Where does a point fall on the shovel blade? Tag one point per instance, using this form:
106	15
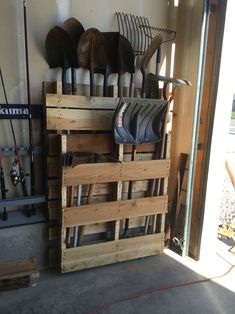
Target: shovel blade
138	121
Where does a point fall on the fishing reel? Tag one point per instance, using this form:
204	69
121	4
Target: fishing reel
14	173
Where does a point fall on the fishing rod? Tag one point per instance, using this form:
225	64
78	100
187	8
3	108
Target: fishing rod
31	148
16	173
3	187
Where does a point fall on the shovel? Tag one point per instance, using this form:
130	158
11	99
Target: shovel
125	62
74	29
88	46
98	52
110	42
137	121
61	52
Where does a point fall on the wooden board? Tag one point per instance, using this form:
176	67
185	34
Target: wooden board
111	252
53	189
81	102
53	141
110	211
114	172
14	269
53	164
54	209
101	143
78	119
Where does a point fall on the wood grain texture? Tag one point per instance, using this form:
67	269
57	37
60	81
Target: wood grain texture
114	172
101	143
14	269
78	119
111	252
110	211
81	102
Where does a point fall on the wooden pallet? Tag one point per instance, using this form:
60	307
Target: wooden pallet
105	216
102	217
17	274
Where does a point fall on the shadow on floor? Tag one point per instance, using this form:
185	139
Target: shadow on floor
156	284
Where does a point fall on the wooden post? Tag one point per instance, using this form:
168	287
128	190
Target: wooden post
118	195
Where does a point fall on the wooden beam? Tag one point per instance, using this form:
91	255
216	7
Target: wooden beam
81	102
20	268
53	144
118	194
114	172
110	211
101	143
111	252
78	119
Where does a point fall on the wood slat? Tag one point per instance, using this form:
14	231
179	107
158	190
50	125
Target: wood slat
93	143
101	143
114	172
143	170
99	227
53	233
14	269
81	102
53	166
138	190
53	189
53	144
54	209
78	119
110	211
111	252
53	257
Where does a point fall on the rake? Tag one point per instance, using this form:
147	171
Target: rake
140	33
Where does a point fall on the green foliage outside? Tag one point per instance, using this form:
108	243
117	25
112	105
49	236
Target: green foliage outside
233	115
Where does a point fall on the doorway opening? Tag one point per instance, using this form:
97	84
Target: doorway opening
220	195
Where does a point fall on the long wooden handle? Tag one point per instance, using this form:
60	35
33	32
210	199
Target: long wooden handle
230	173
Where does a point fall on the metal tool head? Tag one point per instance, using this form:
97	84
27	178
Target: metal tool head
60	49
87	45
137	121
74	28
125	56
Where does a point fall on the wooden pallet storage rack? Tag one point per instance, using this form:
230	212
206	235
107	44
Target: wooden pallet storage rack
101	216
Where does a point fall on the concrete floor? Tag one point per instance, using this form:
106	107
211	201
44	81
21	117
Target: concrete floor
148	285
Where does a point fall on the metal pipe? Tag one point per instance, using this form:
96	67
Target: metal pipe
29	200
196	126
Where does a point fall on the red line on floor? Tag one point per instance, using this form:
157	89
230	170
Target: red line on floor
145	293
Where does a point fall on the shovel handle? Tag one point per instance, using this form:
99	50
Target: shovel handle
73	79
91	82
129	193
63	80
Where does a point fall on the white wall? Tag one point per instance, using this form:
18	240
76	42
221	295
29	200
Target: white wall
42	15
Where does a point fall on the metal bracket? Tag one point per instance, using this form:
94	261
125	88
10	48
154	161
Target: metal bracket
38	199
